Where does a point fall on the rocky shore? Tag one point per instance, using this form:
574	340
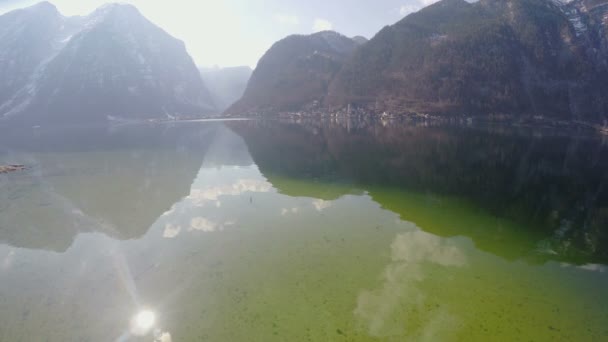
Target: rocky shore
11	168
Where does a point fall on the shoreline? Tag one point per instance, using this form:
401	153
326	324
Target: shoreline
540	122
11	168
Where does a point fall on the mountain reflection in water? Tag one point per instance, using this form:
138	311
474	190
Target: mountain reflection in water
543	189
271	231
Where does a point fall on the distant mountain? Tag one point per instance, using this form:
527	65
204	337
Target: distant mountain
520	57
295	73
113	63
226	85
360	40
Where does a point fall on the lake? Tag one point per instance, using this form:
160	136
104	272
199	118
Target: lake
327	230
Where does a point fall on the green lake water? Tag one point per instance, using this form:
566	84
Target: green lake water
313	231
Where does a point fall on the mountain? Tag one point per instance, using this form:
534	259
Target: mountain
113	63
490	58
519	57
360	40
295	73
226	85
28	39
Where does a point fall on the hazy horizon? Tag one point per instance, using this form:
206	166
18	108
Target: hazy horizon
238	32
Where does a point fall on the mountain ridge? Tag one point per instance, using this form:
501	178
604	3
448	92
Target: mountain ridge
295	72
491	58
517	56
114	60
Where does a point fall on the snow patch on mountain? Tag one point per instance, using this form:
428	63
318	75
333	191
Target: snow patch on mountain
145	60
573	11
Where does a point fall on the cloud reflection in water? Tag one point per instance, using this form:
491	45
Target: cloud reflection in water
321	205
410	253
201	208
201	196
171	230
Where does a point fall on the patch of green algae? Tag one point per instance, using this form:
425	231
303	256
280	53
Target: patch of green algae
356	272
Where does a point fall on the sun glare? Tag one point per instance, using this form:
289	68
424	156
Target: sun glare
143	322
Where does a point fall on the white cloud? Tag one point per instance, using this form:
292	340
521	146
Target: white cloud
418	246
171	231
202	224
411	253
8	260
285	211
414	6
588	267
165	337
200	197
321	205
208	226
594	268
407	9
322	25
286	19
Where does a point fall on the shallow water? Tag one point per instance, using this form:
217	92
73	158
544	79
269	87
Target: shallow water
327	231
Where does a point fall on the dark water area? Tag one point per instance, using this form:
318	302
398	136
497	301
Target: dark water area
552	183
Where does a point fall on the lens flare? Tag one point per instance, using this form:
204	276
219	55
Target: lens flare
143	322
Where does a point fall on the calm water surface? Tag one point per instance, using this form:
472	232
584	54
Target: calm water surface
334	231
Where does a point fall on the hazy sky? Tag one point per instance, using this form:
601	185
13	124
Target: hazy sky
238	32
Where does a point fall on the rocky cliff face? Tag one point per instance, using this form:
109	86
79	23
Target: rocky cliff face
112	64
518	57
295	73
